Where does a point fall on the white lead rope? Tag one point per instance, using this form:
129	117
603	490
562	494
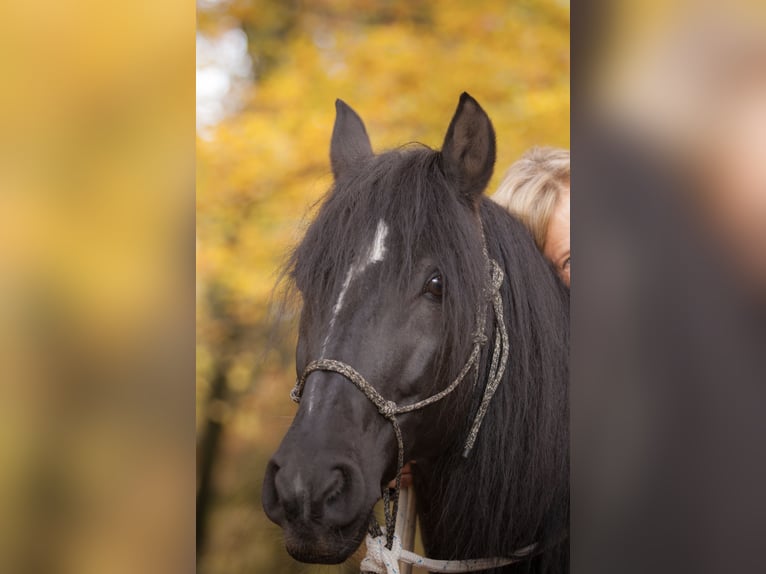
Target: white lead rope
407	522
399	560
381	560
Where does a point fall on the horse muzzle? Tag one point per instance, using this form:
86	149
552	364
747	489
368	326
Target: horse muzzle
323	508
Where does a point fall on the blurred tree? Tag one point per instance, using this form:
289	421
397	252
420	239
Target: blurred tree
402	66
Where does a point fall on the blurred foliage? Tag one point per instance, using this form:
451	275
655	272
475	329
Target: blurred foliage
96	187
402	66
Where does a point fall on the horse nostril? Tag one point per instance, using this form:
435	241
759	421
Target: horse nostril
294	494
335	485
343	495
270	494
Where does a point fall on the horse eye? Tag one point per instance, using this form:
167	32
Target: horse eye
434	286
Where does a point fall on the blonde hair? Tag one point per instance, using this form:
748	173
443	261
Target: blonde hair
532	186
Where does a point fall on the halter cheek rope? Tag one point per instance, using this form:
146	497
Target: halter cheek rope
383	558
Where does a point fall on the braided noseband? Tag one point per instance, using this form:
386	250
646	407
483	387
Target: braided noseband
389	410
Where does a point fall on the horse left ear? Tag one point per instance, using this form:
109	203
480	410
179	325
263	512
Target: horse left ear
350	143
469	148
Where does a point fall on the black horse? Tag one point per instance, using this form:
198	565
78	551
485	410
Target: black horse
395	282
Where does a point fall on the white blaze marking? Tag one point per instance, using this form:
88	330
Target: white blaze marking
378	251
338	306
302	493
297	483
375	253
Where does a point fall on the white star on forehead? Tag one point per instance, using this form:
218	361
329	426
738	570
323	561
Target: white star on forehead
378	251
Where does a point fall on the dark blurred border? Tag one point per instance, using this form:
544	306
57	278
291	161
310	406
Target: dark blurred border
668	334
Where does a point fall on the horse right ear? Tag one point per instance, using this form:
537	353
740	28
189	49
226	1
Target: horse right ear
350	143
469	148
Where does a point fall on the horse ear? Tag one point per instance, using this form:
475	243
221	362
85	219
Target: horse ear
350	143
469	148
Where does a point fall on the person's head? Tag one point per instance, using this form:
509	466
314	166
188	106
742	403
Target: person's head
536	190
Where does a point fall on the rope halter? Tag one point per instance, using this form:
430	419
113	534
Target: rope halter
389	409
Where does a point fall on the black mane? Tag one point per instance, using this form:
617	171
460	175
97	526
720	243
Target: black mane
513	489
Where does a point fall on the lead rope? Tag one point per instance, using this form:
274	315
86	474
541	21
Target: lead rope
383	558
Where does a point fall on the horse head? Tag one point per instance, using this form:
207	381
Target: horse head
391	274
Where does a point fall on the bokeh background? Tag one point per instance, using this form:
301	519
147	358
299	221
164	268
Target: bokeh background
268	73
96	286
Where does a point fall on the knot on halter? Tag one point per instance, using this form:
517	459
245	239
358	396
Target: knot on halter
497	276
479	338
379	559
295	394
388	409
